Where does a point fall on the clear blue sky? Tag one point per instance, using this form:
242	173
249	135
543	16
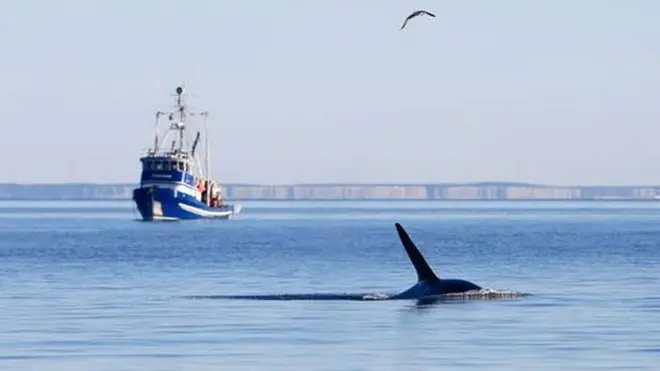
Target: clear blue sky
561	92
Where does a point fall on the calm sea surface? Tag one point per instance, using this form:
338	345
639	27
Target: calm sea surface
84	286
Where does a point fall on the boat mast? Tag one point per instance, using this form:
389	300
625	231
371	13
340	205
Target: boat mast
178	123
156	131
182	114
206	144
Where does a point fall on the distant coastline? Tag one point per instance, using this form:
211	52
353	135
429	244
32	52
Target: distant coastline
344	191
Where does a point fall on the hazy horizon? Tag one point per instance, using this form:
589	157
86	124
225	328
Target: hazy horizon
358	184
553	93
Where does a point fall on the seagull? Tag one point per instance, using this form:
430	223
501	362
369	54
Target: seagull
415	14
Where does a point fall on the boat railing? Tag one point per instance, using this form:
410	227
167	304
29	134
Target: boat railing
181	155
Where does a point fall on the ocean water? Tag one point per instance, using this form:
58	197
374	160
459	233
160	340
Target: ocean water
84	286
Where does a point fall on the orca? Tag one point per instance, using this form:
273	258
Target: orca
428	283
428	289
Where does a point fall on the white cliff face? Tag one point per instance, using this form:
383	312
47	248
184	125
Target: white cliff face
345	192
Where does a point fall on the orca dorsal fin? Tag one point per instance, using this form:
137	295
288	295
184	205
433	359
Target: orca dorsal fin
424	271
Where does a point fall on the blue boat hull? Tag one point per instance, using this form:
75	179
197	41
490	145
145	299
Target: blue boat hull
157	203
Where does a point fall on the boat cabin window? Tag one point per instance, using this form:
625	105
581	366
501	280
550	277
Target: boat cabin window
165	165
148	165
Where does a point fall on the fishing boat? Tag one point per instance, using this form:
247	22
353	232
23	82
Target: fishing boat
173	183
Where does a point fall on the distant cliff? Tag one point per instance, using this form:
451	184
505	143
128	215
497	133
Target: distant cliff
467	191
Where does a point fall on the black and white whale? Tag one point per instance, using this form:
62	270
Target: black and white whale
428	283
429	286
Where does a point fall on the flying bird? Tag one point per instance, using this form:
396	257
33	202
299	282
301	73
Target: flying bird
415	14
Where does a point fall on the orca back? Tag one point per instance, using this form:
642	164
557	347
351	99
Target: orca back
453	286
